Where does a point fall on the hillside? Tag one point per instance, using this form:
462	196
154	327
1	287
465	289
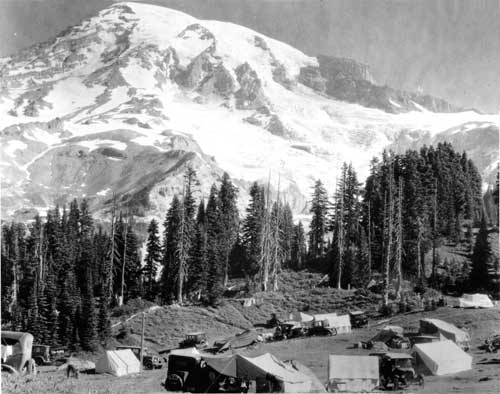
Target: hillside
123	102
166	326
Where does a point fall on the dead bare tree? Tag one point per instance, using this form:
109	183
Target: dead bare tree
399	240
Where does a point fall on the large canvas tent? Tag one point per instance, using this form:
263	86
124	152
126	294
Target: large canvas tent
443	357
445	330
475	301
289	379
118	363
341	323
16	348
353	374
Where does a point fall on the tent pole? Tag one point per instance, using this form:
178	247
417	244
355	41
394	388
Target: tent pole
142	339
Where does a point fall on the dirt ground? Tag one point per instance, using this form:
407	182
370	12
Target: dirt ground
312	352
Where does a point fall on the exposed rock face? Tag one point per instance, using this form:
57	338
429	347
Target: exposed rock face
124	102
348	80
250	94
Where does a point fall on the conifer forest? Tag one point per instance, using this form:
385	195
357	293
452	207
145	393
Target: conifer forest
63	274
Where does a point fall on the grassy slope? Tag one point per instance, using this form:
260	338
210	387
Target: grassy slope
166	326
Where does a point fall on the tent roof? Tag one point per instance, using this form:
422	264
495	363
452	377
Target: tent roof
300	316
447	327
245	338
253	367
442	352
188	352
353	367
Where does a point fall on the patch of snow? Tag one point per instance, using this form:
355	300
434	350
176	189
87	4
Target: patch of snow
12	146
96	144
103	192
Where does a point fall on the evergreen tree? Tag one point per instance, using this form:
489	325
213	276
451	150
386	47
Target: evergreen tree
170	240
215	255
198	265
229	218
298	249
153	257
319	209
482	260
252	231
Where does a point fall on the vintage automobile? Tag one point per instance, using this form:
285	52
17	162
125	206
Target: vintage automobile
47	355
321	328
397	371
358	319
194	339
16	352
149	361
492	344
188	372
288	330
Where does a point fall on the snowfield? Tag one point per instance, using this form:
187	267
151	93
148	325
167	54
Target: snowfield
141	75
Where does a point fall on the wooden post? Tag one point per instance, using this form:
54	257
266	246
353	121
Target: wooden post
142	338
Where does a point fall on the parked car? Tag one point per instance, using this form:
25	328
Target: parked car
47	355
149	361
289	330
187	372
321	328
492	344
194	339
16	353
359	319
396	370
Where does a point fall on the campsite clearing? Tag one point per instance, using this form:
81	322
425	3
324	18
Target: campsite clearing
313	352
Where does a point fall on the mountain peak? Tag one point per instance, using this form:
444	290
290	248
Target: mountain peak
123	102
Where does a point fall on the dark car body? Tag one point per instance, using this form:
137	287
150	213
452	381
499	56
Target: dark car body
358	319
194	339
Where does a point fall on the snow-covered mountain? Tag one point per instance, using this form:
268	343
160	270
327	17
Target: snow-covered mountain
122	103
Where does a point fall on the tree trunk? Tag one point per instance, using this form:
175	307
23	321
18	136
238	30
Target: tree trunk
399	244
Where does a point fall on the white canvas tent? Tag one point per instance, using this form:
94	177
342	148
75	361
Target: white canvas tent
341	323
252	368
353	374
475	301
118	363
445	330
443	357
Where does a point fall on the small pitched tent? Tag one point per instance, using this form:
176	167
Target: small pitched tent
443	357
445	330
243	339
118	363
353	374
289	379
387	333
475	301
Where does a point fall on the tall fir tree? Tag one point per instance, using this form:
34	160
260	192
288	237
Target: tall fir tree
229	218
153	257
215	255
318	227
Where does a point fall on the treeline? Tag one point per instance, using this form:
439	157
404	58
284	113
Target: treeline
59	276
203	245
62	276
410	205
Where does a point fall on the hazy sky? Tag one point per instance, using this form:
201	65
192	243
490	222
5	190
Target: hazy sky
448	48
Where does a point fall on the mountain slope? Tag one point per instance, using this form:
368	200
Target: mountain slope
122	103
